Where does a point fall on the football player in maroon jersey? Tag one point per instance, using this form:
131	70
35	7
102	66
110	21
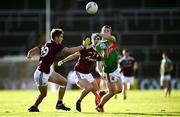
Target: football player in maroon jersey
127	67
82	76
44	74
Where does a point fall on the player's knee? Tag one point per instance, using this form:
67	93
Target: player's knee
118	91
64	83
88	88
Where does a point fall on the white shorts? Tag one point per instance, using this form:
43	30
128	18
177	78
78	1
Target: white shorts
127	79
165	78
114	76
41	78
80	76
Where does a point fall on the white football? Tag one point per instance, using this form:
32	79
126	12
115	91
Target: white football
91	7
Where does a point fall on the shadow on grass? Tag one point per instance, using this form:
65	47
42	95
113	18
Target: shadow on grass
134	114
151	114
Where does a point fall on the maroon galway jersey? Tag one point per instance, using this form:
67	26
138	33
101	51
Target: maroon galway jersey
48	53
86	60
126	65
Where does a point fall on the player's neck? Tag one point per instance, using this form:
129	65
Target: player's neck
55	41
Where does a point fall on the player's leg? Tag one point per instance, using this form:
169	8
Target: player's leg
168	80
106	97
165	87
124	86
103	84
62	82
112	79
103	87
162	82
96	91
116	78
131	83
115	96
111	87
42	95
84	81
169	88
131	86
41	80
124	91
118	86
86	87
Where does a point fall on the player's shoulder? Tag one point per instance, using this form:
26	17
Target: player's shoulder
131	58
122	59
98	44
114	38
86	50
169	61
164	61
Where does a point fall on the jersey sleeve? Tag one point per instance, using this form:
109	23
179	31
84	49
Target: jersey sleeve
169	61
101	46
98	49
119	57
60	47
82	51
39	46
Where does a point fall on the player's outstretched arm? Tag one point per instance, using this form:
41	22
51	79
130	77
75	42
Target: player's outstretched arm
108	37
68	58
72	50
99	67
32	52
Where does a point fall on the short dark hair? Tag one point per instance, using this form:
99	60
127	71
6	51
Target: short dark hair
107	26
126	50
56	32
165	53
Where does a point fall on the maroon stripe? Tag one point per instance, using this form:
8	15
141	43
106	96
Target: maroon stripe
108	77
78	75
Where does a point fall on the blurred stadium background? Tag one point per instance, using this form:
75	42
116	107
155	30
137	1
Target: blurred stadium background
146	27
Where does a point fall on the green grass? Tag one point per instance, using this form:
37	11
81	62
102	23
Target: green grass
14	103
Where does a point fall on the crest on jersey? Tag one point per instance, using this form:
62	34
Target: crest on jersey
44	51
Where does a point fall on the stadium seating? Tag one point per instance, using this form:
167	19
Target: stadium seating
146	27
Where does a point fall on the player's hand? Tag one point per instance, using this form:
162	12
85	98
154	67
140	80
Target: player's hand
94	36
29	56
87	42
60	63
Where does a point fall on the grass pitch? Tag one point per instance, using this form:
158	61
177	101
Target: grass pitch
14	103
